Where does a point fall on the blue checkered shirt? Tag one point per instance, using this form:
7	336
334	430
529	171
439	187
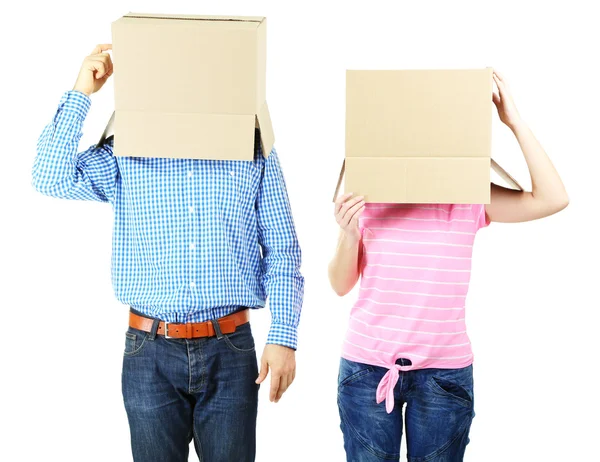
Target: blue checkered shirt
193	239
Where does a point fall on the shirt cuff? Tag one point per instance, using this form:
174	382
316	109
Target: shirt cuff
283	334
75	102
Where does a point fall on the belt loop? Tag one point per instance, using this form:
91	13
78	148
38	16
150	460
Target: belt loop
217	328
154	329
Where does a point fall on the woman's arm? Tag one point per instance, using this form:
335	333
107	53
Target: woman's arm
344	267
548	194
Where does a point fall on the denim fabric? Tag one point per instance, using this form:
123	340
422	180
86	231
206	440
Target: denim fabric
438	413
178	390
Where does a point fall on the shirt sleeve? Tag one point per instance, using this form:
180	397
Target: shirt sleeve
481	218
281	255
59	170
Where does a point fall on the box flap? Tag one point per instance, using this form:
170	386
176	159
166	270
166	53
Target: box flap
512	183
267	137
456	180
339	182
506	176
196	136
108	130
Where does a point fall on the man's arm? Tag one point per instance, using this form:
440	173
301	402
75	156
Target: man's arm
281	260
283	283
59	170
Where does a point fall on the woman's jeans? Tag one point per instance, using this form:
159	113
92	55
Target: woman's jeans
178	390
438	414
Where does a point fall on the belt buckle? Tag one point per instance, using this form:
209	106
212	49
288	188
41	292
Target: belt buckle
166	329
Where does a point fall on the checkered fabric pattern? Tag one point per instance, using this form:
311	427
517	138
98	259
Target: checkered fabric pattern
193	239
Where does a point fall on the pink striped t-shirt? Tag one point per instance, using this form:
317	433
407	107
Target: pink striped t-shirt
415	271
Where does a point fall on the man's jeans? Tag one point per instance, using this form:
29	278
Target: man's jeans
176	390
438	413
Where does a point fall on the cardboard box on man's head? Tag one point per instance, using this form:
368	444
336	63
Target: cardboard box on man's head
190	86
419	136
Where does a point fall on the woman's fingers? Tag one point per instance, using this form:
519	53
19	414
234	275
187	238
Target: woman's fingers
498	82
344	207
496	98
340	201
342	214
351	212
357	214
499	75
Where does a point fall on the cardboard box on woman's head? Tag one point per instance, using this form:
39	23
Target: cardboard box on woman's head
419	136
189	86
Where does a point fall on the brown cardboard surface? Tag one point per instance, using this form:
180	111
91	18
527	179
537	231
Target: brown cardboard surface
458	180
190	86
419	136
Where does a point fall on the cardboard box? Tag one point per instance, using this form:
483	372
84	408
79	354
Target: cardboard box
419	136
190	86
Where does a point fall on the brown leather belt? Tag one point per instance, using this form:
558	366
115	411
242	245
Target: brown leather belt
228	324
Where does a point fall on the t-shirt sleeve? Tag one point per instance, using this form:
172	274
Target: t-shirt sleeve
481	218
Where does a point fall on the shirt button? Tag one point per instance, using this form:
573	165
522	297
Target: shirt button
190	173
192	284
191	209
192	246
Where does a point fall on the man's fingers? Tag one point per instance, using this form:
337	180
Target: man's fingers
275	380
101	48
495	97
97	66
283	386
103	57
264	370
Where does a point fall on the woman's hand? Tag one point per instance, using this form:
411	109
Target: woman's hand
343	269
504	103
348	210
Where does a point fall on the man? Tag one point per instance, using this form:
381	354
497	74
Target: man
196	242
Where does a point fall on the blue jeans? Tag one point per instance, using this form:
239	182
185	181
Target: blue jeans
176	390
438	414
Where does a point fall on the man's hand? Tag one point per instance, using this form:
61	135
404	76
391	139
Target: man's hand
282	362
95	70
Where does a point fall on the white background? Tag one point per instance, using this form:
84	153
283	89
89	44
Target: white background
533	306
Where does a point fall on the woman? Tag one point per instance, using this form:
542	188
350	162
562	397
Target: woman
406	341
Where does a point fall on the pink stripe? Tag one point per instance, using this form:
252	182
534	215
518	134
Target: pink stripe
434	247
420	259
389	333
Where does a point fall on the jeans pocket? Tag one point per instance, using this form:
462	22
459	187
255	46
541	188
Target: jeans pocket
242	340
134	342
351	371
448	387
